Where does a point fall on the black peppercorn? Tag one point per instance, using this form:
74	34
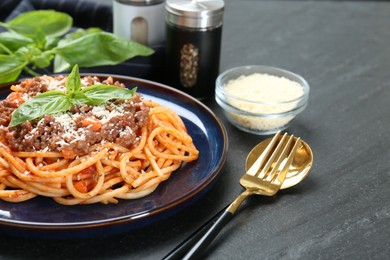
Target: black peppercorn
193	45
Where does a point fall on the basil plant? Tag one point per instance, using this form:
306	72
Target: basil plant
38	39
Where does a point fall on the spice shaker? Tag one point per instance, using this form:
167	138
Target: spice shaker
140	20
193	45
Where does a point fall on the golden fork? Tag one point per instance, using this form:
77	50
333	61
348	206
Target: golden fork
265	177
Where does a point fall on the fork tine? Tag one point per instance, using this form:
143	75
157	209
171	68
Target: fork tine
282	158
281	175
262	158
265	170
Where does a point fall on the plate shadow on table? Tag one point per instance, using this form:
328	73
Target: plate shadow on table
141	241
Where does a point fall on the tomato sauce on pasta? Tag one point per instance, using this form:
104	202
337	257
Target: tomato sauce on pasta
121	149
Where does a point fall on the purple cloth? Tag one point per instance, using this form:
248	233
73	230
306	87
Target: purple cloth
85	14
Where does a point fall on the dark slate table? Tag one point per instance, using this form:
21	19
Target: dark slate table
342	210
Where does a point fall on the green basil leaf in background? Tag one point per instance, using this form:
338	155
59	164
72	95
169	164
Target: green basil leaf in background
73	82
99	49
10	68
49	21
60	64
50	102
78	34
13	41
40	39
100	93
51	42
27	53
43	60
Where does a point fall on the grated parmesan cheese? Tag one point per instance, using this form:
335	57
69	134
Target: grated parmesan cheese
83	125
55	84
263	94
104	115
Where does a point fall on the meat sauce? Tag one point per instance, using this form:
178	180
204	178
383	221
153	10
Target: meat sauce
74	131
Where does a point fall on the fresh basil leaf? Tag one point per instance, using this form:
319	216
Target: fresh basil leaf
51	42
43	60
101	93
73	82
78	34
13	41
49	21
60	64
80	98
10	68
50	102
98	49
27	53
40	39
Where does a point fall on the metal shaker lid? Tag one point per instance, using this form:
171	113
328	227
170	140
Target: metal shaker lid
195	13
140	2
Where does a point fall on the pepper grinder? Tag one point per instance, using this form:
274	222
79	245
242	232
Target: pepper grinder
193	45
141	21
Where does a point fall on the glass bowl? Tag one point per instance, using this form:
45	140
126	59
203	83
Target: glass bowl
260	99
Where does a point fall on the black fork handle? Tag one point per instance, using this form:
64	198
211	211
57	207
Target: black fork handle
194	245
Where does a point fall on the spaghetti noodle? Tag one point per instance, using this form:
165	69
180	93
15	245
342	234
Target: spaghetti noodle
105	171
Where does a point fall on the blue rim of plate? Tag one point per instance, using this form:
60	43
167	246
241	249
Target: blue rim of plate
44	218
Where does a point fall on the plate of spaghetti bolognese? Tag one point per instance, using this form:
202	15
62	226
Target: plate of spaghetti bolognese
75	157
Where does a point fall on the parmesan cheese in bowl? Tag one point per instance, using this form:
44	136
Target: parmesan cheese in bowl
260	99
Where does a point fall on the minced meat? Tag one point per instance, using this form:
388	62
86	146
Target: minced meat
77	130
